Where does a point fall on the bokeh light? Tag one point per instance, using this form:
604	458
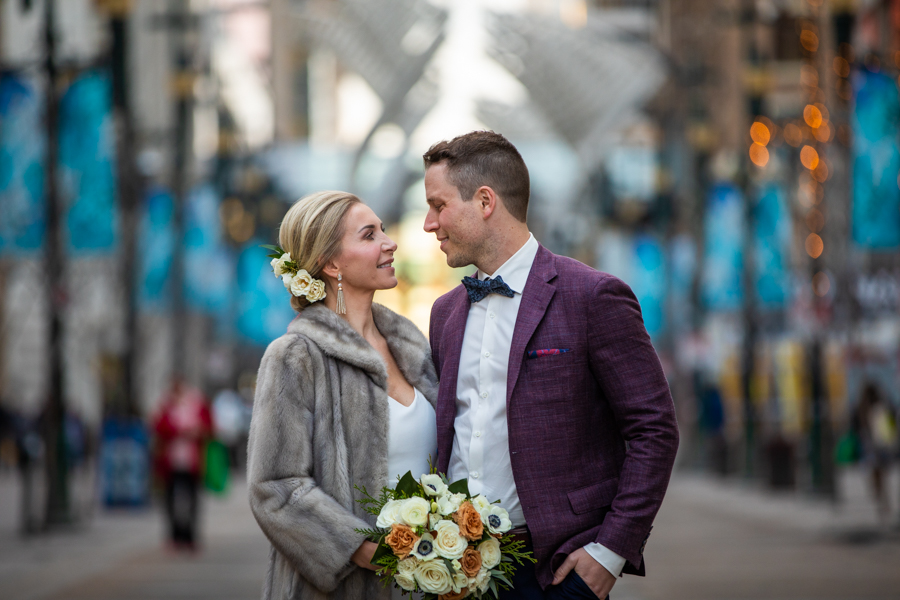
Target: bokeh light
759	133
820	173
759	155
812	115
809	40
841	66
815	220
814	245
821	284
823	132
809	157
793	135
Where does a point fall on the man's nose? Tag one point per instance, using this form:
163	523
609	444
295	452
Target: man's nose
430	222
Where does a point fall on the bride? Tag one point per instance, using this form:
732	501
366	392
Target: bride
344	398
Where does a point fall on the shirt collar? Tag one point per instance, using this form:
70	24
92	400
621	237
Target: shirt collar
515	270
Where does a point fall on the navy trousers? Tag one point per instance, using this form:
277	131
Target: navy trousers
526	587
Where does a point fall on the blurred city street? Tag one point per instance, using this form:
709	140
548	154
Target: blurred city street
713	540
735	162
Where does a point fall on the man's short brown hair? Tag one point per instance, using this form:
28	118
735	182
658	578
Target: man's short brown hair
485	158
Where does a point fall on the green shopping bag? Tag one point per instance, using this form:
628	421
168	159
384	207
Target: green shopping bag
848	449
215	476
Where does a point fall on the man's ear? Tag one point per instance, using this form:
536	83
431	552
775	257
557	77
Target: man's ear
487	201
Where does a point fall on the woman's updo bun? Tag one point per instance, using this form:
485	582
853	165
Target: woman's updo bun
312	230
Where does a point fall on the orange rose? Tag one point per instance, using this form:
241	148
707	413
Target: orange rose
451	596
401	539
470	562
469	521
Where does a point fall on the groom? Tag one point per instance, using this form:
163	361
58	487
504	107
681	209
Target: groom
552	399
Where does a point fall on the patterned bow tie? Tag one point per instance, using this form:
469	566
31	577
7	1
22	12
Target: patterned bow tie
478	289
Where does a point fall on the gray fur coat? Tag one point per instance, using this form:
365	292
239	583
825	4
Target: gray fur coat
320	427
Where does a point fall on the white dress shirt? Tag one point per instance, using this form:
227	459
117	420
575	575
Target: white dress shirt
481	444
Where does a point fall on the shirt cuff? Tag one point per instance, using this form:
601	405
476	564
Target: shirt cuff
608	559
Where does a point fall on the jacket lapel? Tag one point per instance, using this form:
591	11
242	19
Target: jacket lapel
453	332
535	299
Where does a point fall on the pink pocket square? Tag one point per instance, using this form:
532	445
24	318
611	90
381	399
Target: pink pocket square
547	352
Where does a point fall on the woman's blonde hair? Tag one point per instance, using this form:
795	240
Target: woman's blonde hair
312	230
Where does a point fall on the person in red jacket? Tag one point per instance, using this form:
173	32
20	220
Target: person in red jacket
182	427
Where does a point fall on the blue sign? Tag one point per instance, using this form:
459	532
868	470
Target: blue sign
87	163
22	149
876	161
772	247
723	253
125	463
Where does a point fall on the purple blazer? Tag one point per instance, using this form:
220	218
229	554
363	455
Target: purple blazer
570	414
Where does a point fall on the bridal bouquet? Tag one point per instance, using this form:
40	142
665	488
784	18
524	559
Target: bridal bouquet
434	538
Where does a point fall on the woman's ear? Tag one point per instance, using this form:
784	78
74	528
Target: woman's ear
331	269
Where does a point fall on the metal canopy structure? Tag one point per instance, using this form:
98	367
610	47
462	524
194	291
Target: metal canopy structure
589	82
390	44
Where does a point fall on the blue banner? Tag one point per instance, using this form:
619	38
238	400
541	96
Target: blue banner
876	161
772	247
648	281
723	253
682	268
264	305
156	241
22	149
87	163
208	266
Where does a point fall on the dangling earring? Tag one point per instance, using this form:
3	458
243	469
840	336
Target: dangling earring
341	308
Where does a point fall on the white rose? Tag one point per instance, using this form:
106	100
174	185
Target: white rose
490	553
414	512
497	520
482	580
433	485
434	578
482	505
447	540
286	279
449	503
459	581
316	290
408	565
300	283
278	264
390	514
405	581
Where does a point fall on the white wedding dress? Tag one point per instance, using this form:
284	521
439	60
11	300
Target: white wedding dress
412	439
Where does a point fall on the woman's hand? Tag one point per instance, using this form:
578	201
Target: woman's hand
363	556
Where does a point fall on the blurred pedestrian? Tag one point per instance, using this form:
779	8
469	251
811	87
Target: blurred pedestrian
878	434
182	428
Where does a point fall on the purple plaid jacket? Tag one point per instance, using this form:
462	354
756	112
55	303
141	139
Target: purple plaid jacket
571	413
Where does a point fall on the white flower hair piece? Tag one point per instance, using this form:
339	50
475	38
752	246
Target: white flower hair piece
297	281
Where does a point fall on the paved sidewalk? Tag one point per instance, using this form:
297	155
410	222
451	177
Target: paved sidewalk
729	540
120	555
713	540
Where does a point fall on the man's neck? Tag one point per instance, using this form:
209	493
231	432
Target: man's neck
508	243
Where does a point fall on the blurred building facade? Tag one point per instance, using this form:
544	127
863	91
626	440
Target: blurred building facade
734	161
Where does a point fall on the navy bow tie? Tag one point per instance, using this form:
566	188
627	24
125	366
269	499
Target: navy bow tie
478	289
